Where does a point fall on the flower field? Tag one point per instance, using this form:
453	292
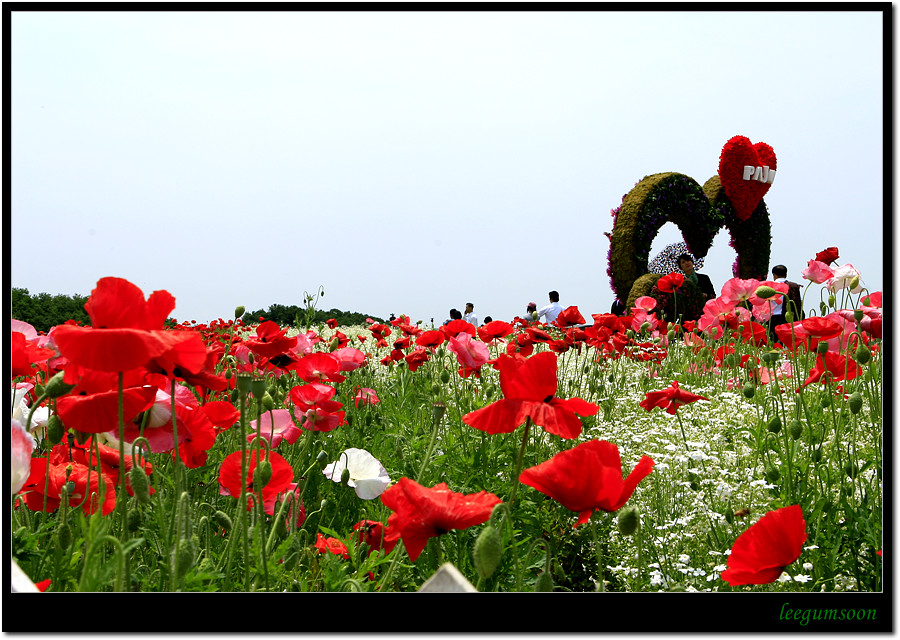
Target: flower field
599	453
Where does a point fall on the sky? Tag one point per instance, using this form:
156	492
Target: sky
409	162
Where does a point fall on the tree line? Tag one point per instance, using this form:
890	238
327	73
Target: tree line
44	311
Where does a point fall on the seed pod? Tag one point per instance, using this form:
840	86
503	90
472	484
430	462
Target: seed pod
487	551
140	484
856	402
863	355
770	357
64	536
774	425
258	387
544	582
858	315
796	429
223	519
822	348
749	390
55	429
628	521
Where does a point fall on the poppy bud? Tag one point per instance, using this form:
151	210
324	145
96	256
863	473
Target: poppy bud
645	327
250	357
789	316
184	557
56	387
796	429
445	376
856	402
671	335
223	519
765	292
345	476
228	374
774	425
262	475
234	395
139	484
322	459
534	316
851	470
731	360
268	402
729	516
826	402
831	300
862	354
772	473
69	487
749	390
55	429
239	311
64	536
487	551
770	357
628	521
544	582
334	344
854	282
134	519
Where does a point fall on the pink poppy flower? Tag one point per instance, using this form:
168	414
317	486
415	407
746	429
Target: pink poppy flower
275	426
472	354
640	316
350	358
737	290
817	272
645	303
365	396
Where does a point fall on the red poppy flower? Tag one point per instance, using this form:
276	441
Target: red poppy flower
586	478
222	414
753	332
821	328
32	492
25	354
761	553
270	340
828	256
455	327
331	545
93	405
416	358
372	533
494	330
230	476
319	367
569	316
430	339
669	399
836	365
332	323
670	283
529	391
421	513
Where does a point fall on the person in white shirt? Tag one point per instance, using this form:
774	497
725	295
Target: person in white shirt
470	316
552	310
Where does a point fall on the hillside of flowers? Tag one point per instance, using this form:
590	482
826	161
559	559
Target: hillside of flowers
594	453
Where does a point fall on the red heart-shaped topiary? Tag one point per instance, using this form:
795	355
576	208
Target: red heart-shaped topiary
738	153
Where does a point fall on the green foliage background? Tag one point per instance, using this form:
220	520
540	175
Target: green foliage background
44	311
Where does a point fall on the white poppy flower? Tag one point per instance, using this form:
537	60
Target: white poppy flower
368	478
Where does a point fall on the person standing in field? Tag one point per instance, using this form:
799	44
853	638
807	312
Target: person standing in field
549	312
686	264
470	316
792	302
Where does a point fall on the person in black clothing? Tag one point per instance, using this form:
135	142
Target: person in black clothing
686	264
792	302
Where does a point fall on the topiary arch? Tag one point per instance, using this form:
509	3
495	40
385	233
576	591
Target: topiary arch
699	214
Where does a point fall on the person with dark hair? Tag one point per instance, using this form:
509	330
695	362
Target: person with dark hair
530	310
792	302
552	310
455	314
686	264
618	308
470	316
487	319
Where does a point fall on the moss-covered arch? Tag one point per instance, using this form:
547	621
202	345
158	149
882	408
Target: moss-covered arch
698	212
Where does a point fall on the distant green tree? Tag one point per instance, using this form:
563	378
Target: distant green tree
294	316
44	311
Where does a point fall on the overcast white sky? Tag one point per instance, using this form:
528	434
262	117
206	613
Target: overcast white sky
410	162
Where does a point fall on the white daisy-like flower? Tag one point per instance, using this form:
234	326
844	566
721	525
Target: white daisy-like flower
367	476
